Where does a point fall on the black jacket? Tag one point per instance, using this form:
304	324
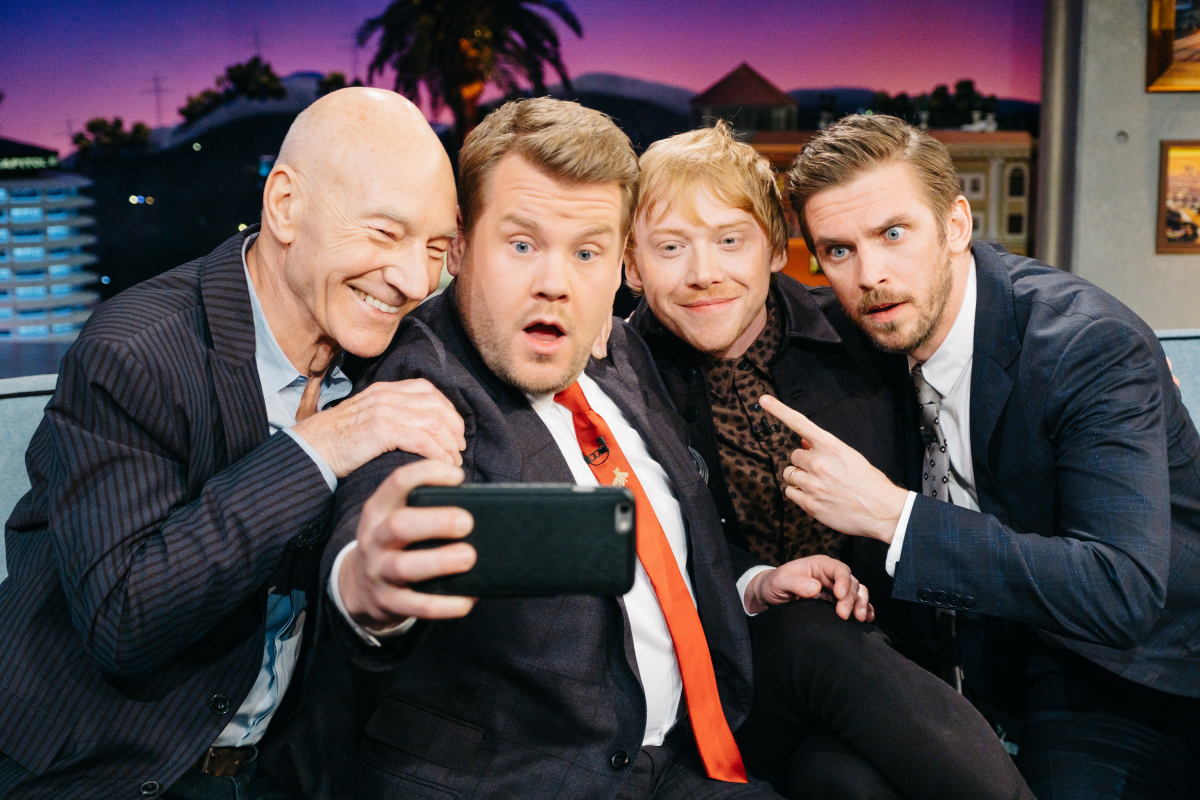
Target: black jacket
132	619
523	697
826	370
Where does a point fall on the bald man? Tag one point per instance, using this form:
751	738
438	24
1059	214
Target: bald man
161	568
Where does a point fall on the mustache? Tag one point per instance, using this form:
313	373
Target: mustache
879	297
546	311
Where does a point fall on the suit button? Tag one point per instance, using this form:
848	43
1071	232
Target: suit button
219	704
923	595
620	760
953	600
149	788
968	602
939	597
310	535
688	374
689	413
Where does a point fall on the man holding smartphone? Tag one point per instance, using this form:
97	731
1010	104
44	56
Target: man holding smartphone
570	696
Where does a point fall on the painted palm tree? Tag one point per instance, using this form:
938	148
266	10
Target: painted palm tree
457	47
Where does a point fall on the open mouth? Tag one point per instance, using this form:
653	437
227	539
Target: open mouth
375	302
544	332
883	308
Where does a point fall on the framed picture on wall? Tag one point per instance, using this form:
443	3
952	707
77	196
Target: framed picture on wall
1173	46
1179	197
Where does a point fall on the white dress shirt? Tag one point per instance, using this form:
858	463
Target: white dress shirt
948	371
282	386
652	644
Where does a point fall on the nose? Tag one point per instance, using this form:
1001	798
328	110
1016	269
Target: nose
703	270
411	273
872	268
550	277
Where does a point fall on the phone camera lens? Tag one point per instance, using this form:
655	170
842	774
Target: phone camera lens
624	518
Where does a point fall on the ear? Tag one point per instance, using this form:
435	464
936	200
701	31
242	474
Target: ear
779	260
633	275
280	198
959	226
458	249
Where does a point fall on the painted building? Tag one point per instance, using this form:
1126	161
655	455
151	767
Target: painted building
43	275
748	101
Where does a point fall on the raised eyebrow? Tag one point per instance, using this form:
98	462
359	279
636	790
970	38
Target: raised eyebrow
600	229
520	221
824	244
899	219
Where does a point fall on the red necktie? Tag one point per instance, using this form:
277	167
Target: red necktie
714	740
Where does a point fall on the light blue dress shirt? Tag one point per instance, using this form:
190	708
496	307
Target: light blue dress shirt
282	386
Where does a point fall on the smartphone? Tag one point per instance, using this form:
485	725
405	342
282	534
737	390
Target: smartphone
539	539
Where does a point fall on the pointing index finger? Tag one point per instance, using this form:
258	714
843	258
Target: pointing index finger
792	418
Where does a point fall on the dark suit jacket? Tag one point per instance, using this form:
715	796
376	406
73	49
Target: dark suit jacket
529	697
828	371
132	619
1087	468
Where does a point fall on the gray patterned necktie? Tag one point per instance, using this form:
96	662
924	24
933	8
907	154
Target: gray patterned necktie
935	483
935	469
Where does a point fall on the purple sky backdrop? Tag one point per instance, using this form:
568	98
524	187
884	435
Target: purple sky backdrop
64	63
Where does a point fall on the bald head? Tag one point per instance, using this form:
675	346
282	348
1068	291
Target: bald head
357	214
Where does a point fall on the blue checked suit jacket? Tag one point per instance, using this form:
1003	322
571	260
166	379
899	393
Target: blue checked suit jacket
1087	467
139	561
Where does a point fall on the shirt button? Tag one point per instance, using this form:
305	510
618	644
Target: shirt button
756	407
744	364
619	760
219	704
689	413
149	788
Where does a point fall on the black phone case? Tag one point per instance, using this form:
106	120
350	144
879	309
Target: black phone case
535	540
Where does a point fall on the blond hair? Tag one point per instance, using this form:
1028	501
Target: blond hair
854	144
675	170
572	143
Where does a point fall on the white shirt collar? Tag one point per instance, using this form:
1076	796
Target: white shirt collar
946	366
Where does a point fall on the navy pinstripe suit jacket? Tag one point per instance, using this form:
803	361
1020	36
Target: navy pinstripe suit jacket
1087	468
139	560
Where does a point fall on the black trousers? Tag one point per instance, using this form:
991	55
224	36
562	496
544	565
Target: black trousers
674	771
839	714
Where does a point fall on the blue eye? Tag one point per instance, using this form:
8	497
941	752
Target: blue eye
522	248
839	251
892	234
586	255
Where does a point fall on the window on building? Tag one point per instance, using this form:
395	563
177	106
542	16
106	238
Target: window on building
977	222
64	327
3	235
24	196
1016	224
33	330
5	312
27	235
32	313
3	214
63	252
3	195
58	232
29	254
30	292
58	214
58	270
61	288
5	275
54	195
1016	182
972	185
26	215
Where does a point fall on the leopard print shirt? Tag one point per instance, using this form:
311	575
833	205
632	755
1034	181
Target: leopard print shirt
755	447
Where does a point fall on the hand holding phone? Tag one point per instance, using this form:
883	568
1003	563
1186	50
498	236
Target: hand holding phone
376	576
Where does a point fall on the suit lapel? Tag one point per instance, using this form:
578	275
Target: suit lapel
231	359
996	347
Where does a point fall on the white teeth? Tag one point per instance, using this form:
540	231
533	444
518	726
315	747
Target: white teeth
375	302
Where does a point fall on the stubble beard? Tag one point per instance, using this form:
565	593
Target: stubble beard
926	324
495	348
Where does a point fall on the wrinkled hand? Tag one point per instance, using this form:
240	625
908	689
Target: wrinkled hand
835	484
806	578
402	415
375	575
